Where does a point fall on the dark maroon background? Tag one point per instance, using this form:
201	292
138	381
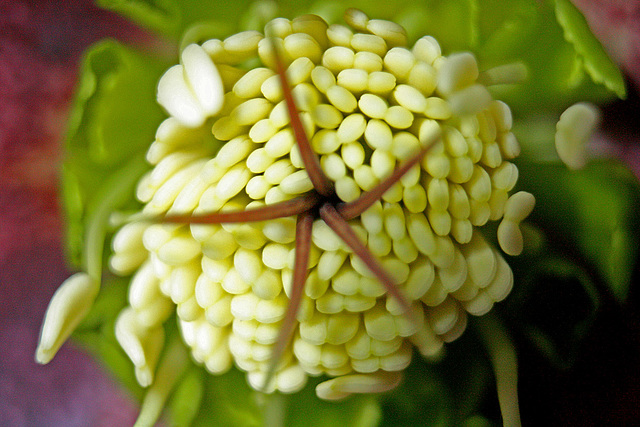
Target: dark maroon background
40	45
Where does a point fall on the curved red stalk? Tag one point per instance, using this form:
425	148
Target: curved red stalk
342	228
355	208
277	210
321	183
304	227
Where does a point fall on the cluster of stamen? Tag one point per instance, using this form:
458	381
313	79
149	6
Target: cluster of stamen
318	195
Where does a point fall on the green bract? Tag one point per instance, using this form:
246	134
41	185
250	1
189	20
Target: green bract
115	117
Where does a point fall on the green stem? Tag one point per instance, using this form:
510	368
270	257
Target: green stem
505	366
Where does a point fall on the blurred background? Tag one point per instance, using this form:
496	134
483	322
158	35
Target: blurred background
41	43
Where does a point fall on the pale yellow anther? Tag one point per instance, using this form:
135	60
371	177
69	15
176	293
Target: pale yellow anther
166	195
444	254
369	43
405	250
470	100
371	288
339	35
338	58
278	27
410	98
258	161
232	182
351	129
219	313
249	85
329	264
427	49
368	61
296	183
454	276
244	306
480	305
380	244
275	195
412	177
399	62
404	145
461	170
459	205
394	221
271	311
383	163
455	144
353	79
271	89
438	193
423	77
502	282
509	145
68	306
357	19
517	208
314	330
392	33
440	221
479	185
399	117
220	245
461	230
333	166
487	127
457	72
342	99
437	108
243	43
327	116
421	233
280	144
443	317
268	285
480	212
278	171
491	155
341	328
497	202
415	198
325	141
144	287
251	111
347	189
262	131
353	154
233	283
373	106
380	324
378	135
475	148
299	45
233	152
435	295
505	176
299	71
322	78
573	131
180	249
169	165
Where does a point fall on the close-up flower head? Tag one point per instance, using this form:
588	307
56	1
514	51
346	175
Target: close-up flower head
333	213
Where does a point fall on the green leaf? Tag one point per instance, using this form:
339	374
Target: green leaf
554	305
304	409
594	210
228	402
187	398
173	17
113	121
96	333
595	60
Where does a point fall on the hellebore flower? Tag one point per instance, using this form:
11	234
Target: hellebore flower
322	199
